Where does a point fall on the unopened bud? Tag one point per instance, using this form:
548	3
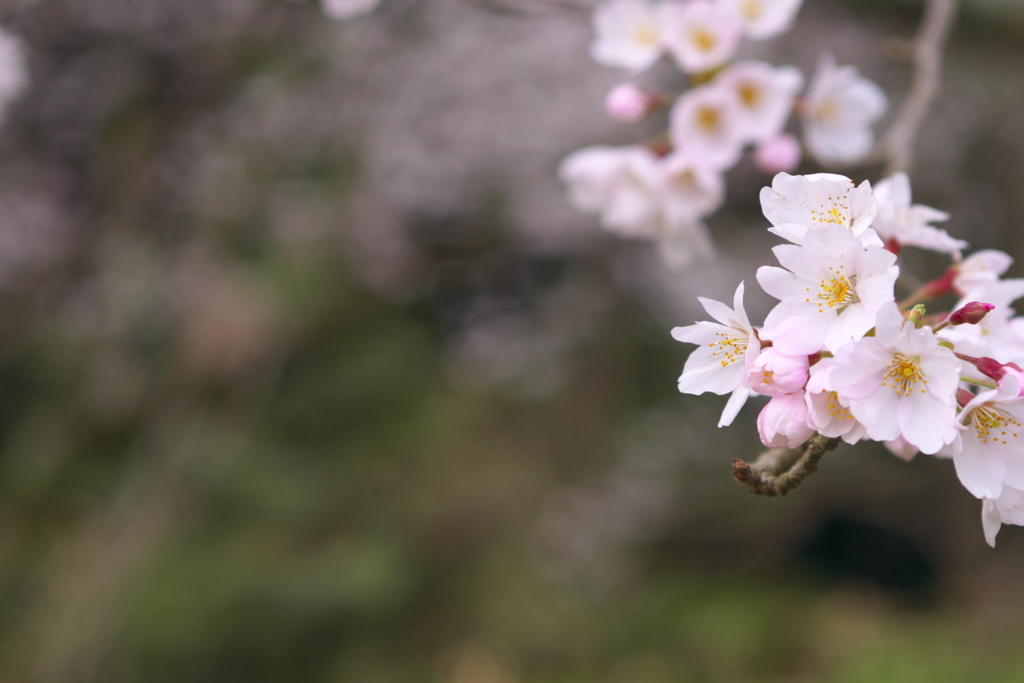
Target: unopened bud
990	367
970	314
778	155
629	103
916	314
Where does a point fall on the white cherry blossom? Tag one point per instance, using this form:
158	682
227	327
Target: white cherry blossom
765	94
628	34
796	204
706	125
976	273
900	382
838	111
719	364
689	190
830	290
826	412
773	373
764	19
908	224
989	449
700	35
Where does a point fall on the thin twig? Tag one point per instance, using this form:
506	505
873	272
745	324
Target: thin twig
897	145
780	470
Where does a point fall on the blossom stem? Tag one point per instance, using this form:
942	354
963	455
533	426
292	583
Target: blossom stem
780	470
979	382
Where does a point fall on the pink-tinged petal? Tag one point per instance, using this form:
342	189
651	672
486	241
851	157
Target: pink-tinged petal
851	325
980	475
791	257
792	232
878	415
888	324
704	372
860	370
795	329
877	278
991	521
777	282
942	370
701	333
926	422
718	311
732	407
737	305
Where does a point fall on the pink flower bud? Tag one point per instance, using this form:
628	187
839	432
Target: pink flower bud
963	397
778	155
629	103
990	367
970	314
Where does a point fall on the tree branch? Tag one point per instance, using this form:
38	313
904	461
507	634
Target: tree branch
780	470
897	145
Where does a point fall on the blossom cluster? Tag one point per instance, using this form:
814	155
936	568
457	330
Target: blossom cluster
839	355
664	190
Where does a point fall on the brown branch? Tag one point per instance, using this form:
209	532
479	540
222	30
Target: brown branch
780	470
897	145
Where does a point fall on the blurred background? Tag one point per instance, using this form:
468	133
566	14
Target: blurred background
309	373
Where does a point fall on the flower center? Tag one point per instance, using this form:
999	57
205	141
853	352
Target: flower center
751	9
835	409
708	120
750	95
836	292
703	40
836	212
991	424
904	374
644	35
732	348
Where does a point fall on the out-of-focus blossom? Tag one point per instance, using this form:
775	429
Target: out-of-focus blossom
908	224
762	19
765	95
701	36
706	125
797	204
779	155
347	9
978	272
629	103
690	190
619	183
13	70
628	34
838	111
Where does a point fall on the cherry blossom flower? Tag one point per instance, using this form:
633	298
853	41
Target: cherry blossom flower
838	111
783	422
900	382
706	125
826	412
975	275
347	9
989	449
719	364
830	290
700	35
628	34
765	94
689	190
1008	508
795	204
763	19
907	224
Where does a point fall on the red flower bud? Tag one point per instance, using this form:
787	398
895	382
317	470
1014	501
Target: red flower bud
970	314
